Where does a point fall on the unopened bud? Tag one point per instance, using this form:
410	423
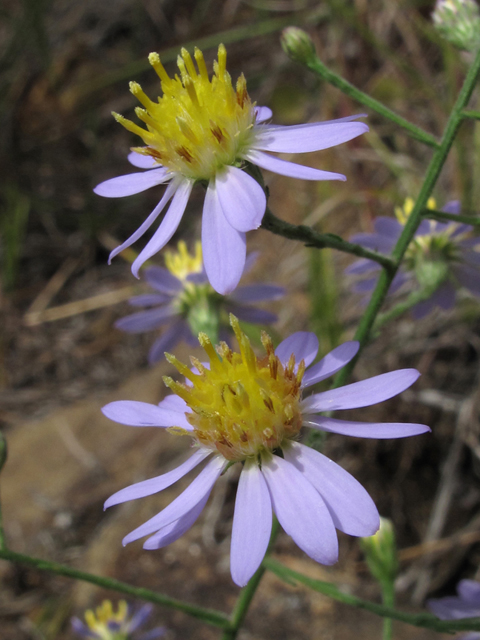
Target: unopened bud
298	45
381	552
458	21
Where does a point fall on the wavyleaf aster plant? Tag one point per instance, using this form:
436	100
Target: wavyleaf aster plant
239	408
205	130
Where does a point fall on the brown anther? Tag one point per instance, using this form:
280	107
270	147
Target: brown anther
244	437
185	154
273	363
267	343
269	404
217	133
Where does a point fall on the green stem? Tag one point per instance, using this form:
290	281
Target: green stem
316	65
215	618
321	240
388	597
424	620
441	216
247	593
471	114
436	164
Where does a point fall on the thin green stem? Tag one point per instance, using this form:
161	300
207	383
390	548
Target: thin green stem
247	593
424	620
471	114
321	240
433	171
388	597
3	459
319	69
441	216
209	616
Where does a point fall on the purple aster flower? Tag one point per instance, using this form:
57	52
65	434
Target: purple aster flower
205	130
185	303
465	605
106	624
240	408
441	257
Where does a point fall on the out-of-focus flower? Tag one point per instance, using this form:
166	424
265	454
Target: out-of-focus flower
458	21
207	130
465	605
187	304
124	624
441	257
381	552
248	409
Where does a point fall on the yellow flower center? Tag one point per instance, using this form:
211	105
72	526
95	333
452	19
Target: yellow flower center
403	213
198	126
242	406
98	621
181	263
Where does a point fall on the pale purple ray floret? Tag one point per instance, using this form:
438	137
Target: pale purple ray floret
310	494
166	309
234	203
465	605
463	259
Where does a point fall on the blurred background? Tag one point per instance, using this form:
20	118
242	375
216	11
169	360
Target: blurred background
64	67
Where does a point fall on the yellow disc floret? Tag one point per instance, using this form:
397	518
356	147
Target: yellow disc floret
181	263
98	621
198	126
242	406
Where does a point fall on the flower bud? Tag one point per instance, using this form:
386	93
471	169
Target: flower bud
381	552
458	21
298	45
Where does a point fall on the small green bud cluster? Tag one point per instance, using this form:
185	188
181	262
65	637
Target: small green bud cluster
458	21
381	553
298	45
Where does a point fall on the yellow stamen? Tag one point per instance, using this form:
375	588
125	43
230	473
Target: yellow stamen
242	406
198	126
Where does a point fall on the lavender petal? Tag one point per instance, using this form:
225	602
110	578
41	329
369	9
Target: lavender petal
169	192
155	485
162	280
363	393
378	430
149	299
290	169
224	248
142	161
168	226
301	510
313	136
143	414
263	113
252	524
185	502
303	344
146	320
241	198
168	340
252	314
331	363
352	509
131	183
258	293
469	591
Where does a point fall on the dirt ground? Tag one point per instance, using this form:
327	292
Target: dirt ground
66	67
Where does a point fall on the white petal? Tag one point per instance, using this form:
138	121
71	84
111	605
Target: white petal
252	524
131	183
242	199
291	169
352	509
